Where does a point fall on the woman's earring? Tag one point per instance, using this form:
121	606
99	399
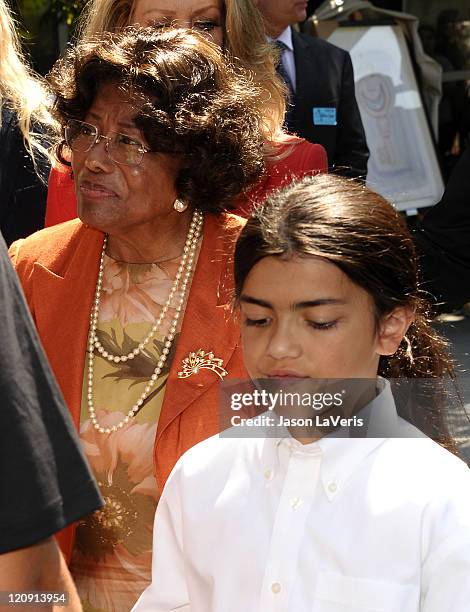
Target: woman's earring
179	205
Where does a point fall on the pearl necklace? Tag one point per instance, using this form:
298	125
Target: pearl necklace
183	275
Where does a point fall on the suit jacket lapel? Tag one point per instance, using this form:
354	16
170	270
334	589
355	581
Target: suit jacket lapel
208	323
304	74
63	321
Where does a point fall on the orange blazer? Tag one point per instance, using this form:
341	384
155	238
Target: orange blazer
58	268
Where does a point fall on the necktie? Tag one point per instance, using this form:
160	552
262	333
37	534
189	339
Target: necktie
282	72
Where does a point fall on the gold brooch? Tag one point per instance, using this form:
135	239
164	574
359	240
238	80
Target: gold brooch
202	360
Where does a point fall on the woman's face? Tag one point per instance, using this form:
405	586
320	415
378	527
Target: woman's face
112	197
306	318
206	16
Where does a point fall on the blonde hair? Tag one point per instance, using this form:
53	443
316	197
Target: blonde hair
104	16
245	43
21	90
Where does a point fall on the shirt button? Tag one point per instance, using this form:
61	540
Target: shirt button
276	587
269	474
295	502
332	487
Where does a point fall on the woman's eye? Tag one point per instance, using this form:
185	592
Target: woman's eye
323	325
205	26
256	322
127	140
159	23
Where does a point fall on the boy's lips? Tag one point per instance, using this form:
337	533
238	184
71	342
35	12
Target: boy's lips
285	374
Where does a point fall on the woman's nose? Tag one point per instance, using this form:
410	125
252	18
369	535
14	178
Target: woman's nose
97	158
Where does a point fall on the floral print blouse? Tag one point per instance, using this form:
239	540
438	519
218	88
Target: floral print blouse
111	563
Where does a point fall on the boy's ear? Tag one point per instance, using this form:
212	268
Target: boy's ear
393	328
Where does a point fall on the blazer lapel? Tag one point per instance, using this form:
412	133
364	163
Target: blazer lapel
63	321
208	322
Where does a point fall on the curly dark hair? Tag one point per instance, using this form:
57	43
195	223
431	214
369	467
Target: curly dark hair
195	104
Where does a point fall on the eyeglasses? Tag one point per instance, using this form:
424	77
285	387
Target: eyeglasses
82	137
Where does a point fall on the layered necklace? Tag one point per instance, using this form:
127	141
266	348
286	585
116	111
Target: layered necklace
182	278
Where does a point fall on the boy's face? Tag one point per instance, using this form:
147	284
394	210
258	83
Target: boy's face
305	318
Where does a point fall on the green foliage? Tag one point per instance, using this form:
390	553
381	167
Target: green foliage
67	10
31	7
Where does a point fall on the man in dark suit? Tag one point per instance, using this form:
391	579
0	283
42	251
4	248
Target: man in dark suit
321	81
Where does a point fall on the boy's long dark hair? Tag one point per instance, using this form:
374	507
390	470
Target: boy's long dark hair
356	229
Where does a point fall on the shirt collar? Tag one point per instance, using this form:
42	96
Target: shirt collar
342	455
285	37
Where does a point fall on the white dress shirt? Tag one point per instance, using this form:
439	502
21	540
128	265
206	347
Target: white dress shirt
288	58
339	525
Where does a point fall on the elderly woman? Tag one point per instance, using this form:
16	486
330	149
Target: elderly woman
237	27
132	301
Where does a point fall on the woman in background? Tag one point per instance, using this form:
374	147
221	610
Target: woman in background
237	27
24	164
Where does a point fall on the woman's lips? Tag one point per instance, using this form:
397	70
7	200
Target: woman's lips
96	191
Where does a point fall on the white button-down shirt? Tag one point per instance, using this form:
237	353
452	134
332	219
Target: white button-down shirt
288	57
339	525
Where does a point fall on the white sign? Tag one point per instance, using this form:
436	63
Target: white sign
403	166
